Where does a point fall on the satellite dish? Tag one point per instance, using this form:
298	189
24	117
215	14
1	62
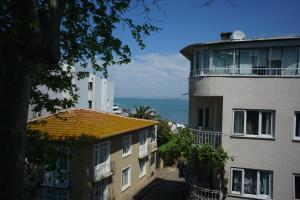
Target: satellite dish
238	35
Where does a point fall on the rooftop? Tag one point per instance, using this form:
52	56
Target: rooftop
78	122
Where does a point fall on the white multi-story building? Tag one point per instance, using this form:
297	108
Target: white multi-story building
245	96
94	92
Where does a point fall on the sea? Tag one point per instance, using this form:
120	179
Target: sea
175	110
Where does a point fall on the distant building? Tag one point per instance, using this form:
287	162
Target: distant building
119	160
244	94
94	92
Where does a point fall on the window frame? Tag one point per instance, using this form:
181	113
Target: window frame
144	172
90	86
97	185
124	187
56	190
154	133
124	137
297	138
257	196
96	148
259	133
294	186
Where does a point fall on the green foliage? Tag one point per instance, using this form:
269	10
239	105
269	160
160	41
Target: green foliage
163	132
38	36
180	144
144	112
219	156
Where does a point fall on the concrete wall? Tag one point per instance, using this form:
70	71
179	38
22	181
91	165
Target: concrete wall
281	154
81	175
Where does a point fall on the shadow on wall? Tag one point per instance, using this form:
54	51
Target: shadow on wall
162	189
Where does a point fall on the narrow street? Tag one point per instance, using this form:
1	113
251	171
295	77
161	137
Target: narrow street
167	185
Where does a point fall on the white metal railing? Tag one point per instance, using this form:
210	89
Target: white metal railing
143	150
56	179
208	137
254	71
102	170
198	193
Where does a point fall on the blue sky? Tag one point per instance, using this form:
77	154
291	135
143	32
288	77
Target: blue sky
159	71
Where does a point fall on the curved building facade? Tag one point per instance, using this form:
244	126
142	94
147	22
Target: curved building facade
250	91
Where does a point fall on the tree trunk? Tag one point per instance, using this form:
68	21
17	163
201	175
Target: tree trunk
15	87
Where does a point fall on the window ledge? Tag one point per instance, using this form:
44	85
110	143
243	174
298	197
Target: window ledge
125	187
296	140
250	137
142	175
127	154
249	197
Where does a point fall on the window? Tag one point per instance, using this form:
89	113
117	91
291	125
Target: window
55	194
223	61
251	183
143	138
101	153
203	117
260	61
153	133
275	60
297	126
90	104
59	178
296	187
258	123
245	61
142	163
90	85
153	158
126	145
289	60
100	190
126	178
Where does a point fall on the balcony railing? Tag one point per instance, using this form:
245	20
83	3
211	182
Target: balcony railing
102	170
198	193
208	137
254	71
143	151
56	179
152	147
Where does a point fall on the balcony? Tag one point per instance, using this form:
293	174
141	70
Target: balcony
208	137
103	170
195	192
255	71
143	151
59	180
152	147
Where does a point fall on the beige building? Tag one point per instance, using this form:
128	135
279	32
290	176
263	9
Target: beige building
117	158
245	95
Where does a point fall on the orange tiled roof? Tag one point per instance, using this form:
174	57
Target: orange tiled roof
78	122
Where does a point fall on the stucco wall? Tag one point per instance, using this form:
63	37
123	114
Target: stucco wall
81	168
280	155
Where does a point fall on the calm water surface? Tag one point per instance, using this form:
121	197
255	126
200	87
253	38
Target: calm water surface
172	109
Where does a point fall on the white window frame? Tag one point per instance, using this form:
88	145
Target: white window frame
45	190
294	132
124	187
294	192
154	133
144	167
257	196
96	148
97	186
259	134
129	138
143	132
